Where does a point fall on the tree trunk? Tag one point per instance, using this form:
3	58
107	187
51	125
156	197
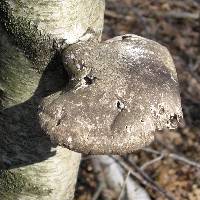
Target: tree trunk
31	35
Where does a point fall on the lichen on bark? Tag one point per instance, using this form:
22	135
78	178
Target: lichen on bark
37	47
14	184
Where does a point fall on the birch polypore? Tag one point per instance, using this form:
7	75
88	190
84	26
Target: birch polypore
121	92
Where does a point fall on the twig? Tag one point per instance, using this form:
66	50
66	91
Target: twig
178	15
124	185
151	181
112	14
129	169
170	14
183	159
99	190
142	176
151	151
175	157
145	165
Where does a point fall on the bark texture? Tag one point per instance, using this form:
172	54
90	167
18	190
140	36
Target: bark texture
32	34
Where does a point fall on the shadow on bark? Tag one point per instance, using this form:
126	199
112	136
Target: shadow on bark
22	140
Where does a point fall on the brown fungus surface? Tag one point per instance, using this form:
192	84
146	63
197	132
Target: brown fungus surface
125	89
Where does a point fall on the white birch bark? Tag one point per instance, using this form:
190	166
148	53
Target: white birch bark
31	167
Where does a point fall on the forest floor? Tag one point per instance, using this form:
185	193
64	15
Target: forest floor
175	24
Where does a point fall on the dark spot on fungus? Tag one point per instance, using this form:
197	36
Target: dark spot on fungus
120	105
161	111
174	120
58	122
126	37
89	80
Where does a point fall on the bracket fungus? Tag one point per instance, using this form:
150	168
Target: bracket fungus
121	91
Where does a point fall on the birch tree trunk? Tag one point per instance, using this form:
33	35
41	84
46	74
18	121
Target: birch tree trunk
31	35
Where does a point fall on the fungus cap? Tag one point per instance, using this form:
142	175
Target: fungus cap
125	90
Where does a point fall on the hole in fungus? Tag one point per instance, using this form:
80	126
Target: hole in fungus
174	120
58	122
89	79
120	105
126	37
161	111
